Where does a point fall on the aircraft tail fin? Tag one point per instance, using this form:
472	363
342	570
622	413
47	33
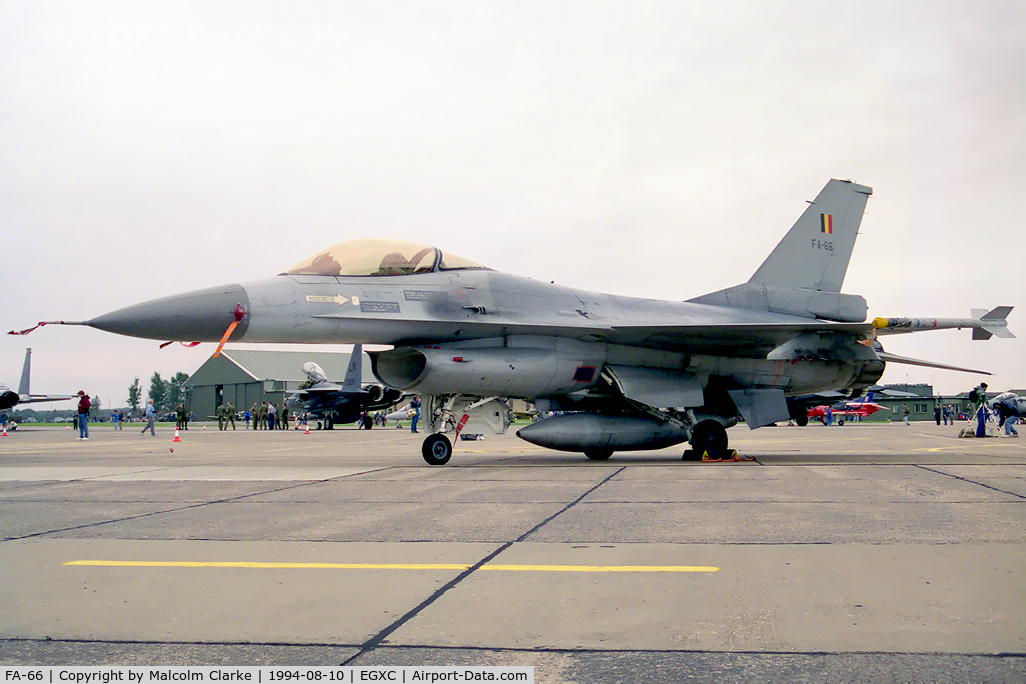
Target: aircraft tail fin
354	373
814	254
803	274
992	322
23	386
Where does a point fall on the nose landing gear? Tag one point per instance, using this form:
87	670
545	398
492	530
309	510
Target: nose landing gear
437	449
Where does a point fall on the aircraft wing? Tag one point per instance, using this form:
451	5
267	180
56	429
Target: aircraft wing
33	398
732	332
731	339
326	387
8	399
894	358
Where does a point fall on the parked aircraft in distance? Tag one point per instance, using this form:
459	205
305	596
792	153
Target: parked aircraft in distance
337	404
861	407
625	373
9	398
401	413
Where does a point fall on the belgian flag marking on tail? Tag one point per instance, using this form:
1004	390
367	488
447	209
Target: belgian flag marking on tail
826	223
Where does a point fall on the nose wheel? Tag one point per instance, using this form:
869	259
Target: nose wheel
437	449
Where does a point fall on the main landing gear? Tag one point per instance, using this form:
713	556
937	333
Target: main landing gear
709	440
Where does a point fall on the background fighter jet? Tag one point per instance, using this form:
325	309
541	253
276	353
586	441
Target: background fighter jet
335	404
626	373
10	398
862	407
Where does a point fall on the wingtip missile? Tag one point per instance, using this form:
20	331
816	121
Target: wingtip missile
983	324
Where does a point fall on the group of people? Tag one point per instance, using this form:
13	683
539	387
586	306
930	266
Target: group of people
226	415
181	417
1005	406
265	416
945	414
117	417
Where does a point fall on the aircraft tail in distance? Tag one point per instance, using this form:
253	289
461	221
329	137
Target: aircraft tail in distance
354	373
24	396
23	386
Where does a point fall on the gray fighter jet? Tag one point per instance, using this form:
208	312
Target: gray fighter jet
333	404
9	398
623	373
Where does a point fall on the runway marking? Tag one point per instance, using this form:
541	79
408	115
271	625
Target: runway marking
602	568
391	566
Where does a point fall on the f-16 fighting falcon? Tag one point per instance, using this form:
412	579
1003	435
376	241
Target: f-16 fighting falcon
624	373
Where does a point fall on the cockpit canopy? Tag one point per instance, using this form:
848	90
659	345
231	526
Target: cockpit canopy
379	258
314	372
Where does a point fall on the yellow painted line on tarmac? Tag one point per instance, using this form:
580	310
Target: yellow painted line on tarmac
391	566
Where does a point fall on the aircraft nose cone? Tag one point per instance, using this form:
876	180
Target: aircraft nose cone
197	316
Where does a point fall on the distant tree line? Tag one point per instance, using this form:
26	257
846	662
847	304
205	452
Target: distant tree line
166	394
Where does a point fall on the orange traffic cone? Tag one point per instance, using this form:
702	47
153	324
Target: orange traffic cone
177	438
204	427
307	429
69	427
5	432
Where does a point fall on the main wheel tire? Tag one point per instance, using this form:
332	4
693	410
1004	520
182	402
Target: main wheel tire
598	454
710	436
802	420
329	424
437	449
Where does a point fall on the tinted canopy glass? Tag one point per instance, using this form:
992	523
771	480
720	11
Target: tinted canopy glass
379	258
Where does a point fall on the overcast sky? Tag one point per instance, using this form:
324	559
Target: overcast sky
644	148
